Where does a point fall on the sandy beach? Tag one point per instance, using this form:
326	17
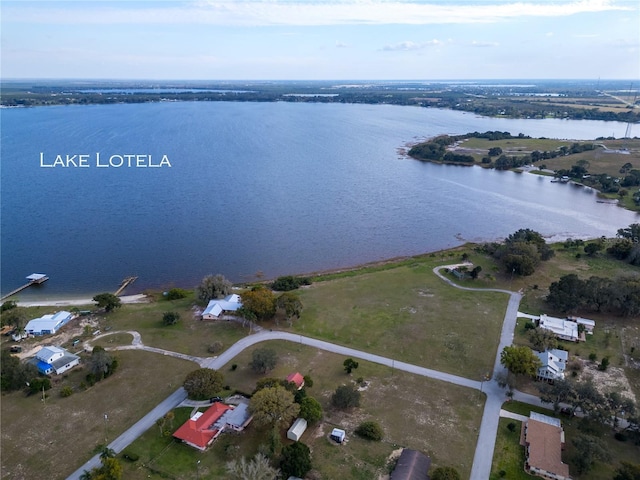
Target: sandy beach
80	301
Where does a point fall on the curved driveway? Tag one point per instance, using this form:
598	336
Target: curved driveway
483	457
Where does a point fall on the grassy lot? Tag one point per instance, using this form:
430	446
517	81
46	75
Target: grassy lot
599	161
620	450
431	416
379	311
34	434
508	455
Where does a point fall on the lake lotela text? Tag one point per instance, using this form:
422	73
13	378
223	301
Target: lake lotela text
86	160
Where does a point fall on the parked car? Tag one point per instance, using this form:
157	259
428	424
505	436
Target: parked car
16	349
215	399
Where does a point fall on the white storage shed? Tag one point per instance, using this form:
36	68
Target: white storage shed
297	429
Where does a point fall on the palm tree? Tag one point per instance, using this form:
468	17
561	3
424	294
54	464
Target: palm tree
107	452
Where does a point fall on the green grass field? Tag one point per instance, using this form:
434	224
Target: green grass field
378	312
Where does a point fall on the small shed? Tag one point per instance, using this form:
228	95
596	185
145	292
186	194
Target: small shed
297	429
338	435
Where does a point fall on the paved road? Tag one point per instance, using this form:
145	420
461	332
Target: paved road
485	446
483	457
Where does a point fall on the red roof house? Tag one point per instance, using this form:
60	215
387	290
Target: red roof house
201	430
296	378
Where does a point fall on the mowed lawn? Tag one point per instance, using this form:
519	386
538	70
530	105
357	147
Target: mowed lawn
52	439
409	314
437	418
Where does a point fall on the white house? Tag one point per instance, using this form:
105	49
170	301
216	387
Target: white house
297	429
230	303
56	360
563	329
554	363
48	324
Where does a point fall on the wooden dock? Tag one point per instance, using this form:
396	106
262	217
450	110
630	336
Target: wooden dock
125	283
34	279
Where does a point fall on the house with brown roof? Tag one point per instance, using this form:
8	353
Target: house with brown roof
296	378
543	439
202	429
412	465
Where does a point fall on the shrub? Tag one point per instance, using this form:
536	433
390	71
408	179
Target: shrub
511	426
170	318
593	357
177	294
215	347
234	367
66	391
529	326
345	397
604	364
287	283
131	456
370	430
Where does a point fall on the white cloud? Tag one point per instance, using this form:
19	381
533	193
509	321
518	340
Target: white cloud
341	45
301	13
409	45
476	43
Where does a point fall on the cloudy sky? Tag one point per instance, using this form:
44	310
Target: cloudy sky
329	39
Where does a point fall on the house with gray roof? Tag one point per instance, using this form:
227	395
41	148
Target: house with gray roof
54	360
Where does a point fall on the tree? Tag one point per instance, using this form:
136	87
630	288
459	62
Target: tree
14	374
588	450
273	406
310	409
445	473
520	360
170	318
560	391
475	272
495	151
349	365
263	360
543	339
212	287
627	471
370	430
101	363
15	316
258	468
593	247
260	301
290	304
566	294
345	396
296	460
108	301
203	383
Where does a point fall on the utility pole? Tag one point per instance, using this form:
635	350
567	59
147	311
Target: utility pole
105	429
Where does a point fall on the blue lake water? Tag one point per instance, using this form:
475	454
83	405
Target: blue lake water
278	188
